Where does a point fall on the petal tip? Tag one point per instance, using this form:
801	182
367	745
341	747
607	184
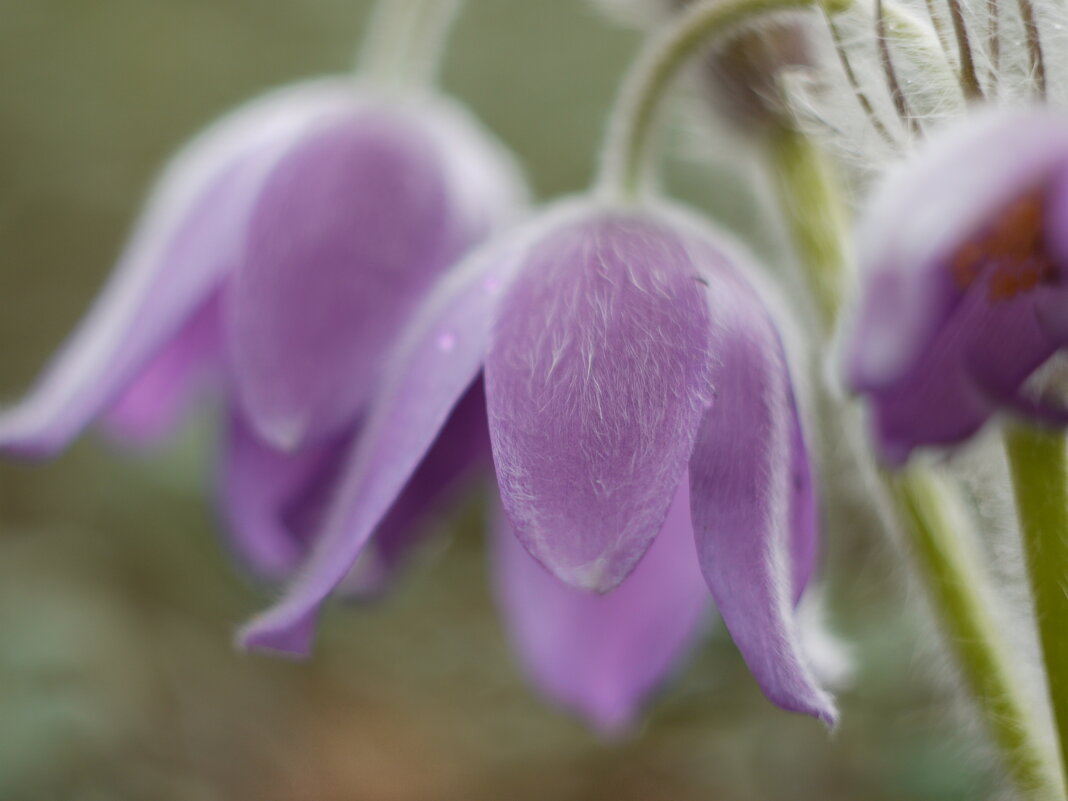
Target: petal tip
816	703
21	440
286	639
599	576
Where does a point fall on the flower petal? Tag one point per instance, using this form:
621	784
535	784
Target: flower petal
751	495
152	404
975	364
595	384
188	237
272	499
459	454
353	226
432	368
804	510
922	215
602	654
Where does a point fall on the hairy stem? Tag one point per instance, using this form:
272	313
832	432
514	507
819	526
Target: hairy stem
953	580
969	81
405	40
954	583
1034	45
815	215
1038	461
901	103
626	152
854	82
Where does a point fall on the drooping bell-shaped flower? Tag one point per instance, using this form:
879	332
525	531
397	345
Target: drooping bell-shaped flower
280	254
601	654
962	298
625	355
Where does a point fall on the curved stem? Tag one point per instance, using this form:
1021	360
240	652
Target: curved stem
1034	45
815	215
969	80
405	40
954	584
854	82
901	103
1038	461
630	129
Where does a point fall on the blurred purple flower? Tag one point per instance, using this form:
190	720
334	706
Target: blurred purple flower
962	294
278	258
624	355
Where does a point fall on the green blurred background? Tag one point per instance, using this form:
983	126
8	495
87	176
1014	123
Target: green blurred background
118	603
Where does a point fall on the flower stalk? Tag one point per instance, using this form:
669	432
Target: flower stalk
816	218
626	154
953	582
1038	462
405	40
815	215
952	578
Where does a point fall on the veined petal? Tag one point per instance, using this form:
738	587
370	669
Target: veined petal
432	368
152	404
595	384
188	237
353	226
603	654
751	494
920	218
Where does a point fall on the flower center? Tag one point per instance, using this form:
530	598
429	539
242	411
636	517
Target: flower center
1011	256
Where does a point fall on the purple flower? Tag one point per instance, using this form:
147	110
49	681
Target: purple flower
280	255
627	362
602	653
963	295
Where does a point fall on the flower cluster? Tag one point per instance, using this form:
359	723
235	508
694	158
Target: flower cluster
352	270
313	259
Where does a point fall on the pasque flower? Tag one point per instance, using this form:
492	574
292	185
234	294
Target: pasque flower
281	253
963	298
627	364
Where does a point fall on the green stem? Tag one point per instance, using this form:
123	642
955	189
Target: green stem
954	583
1038	461
815	214
405	40
953	580
626	153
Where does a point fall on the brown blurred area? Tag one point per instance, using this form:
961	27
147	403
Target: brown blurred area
118	602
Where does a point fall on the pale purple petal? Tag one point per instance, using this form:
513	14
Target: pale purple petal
188	237
459	454
352	228
804	510
595	384
431	370
753	514
603	654
272	500
152	405
919	219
